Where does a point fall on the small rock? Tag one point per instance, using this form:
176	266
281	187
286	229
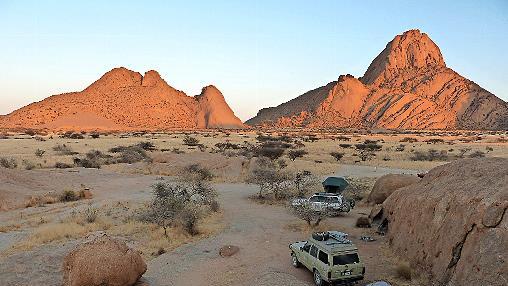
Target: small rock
228	250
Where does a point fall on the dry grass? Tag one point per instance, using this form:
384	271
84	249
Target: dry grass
318	159
149	238
303	227
403	271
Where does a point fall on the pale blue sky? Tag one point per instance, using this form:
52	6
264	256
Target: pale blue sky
258	53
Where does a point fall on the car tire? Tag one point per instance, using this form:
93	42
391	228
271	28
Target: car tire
318	280
295	261
346	207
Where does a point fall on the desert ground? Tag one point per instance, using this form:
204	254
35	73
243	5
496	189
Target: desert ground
38	228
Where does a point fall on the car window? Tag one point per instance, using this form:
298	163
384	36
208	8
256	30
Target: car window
346	259
314	199
333	199
306	247
313	251
323	257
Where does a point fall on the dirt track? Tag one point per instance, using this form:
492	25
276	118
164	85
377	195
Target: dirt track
262	232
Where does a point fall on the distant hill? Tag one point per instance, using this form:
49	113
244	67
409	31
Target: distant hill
125	100
407	86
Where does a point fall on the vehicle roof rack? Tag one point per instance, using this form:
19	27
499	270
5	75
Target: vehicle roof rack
338	237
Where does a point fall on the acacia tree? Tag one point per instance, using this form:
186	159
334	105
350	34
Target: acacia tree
270	177
305	212
304	181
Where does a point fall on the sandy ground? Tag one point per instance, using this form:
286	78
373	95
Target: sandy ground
262	232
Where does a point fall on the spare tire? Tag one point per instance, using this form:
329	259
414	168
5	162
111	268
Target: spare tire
321	236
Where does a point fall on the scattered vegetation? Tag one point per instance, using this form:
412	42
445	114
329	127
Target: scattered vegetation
403	270
39	153
60	165
308	214
190	141
337	155
409	140
298	153
63	149
271	178
9	163
430	155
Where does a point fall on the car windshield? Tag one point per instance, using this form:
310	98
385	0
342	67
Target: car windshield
333	199
346	259
314	199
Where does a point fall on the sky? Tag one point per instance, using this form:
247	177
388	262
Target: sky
258	53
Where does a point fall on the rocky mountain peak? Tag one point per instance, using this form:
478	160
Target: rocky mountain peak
114	79
152	78
409	51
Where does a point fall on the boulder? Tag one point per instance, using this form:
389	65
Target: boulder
387	184
102	260
453	224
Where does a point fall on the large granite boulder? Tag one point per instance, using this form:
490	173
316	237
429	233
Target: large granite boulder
453	224
102	260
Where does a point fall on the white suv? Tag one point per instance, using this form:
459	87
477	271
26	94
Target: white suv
333	203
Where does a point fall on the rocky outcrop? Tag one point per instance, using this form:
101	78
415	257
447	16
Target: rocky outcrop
387	184
102	260
214	112
407	86
125	100
453	223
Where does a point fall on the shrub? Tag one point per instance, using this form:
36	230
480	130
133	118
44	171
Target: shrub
430	155
190	141
39	138
223	146
69	196
147	146
344	145
368	146
72	135
60	165
270	178
28	165
63	149
409	140
305	182
305	212
293	154
39	153
343	138
434	141
95	135
400	148
130	154
9	163
403	271
337	155
268	152
363	222
477	154
90	214
93	159
489	149
170	204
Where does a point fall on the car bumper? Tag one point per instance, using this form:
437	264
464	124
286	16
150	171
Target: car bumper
346	279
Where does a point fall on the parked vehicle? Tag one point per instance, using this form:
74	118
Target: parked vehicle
330	256
329	202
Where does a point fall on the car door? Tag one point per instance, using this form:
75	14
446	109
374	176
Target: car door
305	256
322	262
313	253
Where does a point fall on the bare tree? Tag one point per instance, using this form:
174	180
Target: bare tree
270	177
305	212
